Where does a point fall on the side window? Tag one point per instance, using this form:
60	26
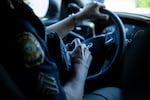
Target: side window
40	7
47	10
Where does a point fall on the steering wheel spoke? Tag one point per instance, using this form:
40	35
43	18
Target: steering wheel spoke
109	39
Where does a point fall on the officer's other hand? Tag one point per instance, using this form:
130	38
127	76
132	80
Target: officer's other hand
91	10
80	55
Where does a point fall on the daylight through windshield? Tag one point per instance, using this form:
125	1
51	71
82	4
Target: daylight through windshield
133	6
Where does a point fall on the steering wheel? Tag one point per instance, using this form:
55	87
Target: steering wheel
106	48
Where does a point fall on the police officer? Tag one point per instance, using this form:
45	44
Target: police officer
37	59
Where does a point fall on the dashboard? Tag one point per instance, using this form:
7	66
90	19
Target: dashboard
130	29
134	25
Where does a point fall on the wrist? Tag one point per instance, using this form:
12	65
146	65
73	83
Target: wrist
74	19
79	17
81	70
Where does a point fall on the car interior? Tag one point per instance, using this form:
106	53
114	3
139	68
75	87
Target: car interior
120	48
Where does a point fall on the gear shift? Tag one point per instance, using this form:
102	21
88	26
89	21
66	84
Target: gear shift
74	8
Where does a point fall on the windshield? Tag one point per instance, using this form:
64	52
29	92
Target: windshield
129	6
40	7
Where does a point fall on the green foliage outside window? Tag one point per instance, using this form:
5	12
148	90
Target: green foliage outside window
143	3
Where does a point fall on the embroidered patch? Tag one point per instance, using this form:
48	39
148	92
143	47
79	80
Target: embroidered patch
48	85
31	50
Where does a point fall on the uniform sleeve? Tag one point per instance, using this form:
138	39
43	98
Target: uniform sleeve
49	86
41	74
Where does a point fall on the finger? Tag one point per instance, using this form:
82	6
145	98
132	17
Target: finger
83	50
103	16
79	51
86	49
76	42
84	46
98	4
88	55
89	60
87	52
73	42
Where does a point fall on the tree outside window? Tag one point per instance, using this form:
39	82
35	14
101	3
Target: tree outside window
143	3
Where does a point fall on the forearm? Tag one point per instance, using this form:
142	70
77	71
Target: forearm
89	11
74	89
64	26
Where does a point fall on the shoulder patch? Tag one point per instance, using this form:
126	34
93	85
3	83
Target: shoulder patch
30	48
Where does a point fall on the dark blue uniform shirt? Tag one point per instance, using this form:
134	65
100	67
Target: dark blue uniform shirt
37	61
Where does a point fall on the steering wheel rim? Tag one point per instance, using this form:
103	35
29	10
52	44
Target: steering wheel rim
121	47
